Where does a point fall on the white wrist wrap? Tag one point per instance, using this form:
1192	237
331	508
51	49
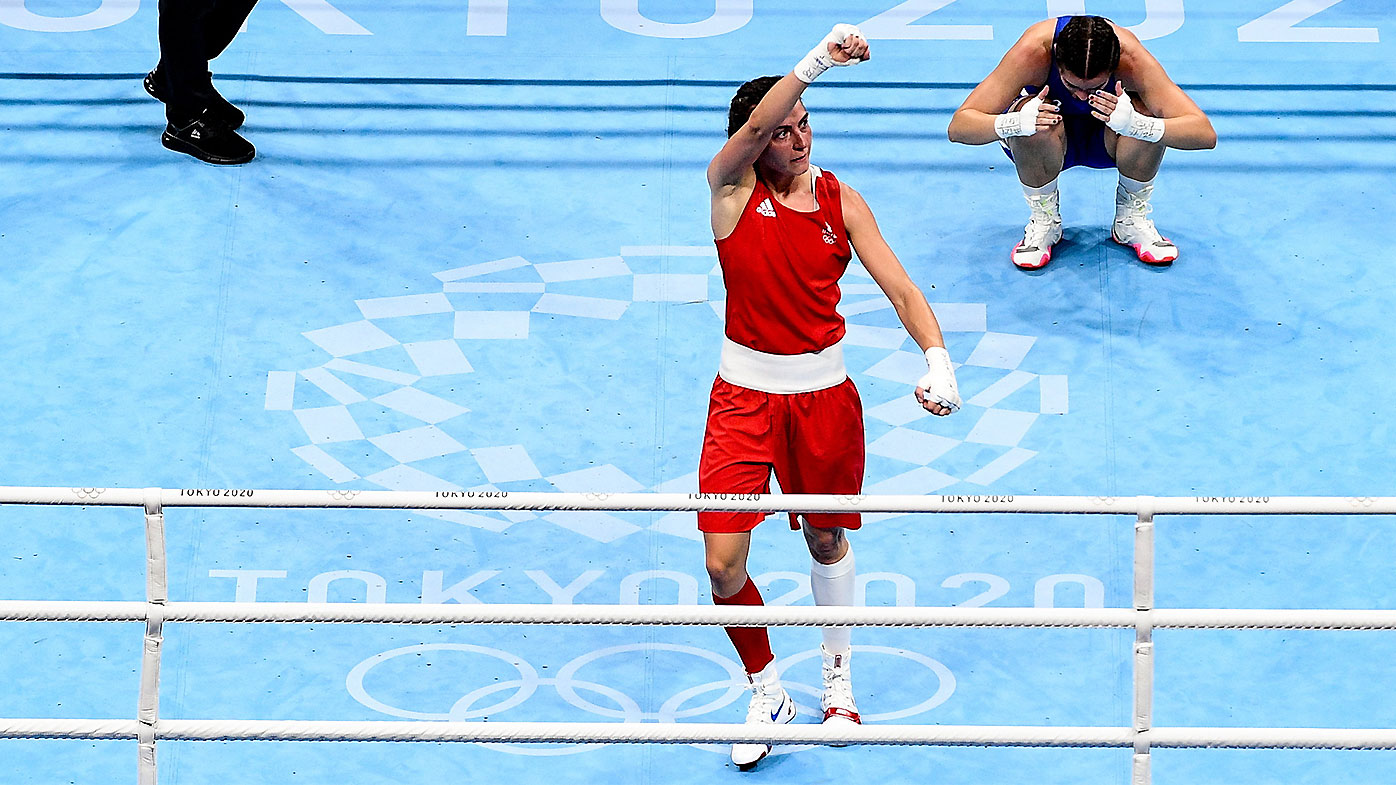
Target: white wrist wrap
1020	123
819	59
1127	122
939	381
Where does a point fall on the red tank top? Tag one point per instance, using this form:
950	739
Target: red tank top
782	267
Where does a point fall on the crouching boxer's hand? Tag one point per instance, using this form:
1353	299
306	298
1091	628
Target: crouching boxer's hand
1035	115
1118	112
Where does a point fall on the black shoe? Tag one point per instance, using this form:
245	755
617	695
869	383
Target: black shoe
209	141
222	110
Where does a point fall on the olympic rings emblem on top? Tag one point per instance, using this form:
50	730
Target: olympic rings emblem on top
343	495
605	700
88	493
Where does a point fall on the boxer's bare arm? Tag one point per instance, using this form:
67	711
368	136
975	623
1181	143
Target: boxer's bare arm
1027	62
730	174
938	393
1186	126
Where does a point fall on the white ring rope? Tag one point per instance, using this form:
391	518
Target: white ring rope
709	733
690	615
68	729
1143	618
698	502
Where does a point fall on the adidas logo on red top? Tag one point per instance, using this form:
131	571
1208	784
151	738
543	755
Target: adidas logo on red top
766	208
829	236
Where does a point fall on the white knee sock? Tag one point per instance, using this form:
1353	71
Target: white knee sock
1046	190
833	584
1134	186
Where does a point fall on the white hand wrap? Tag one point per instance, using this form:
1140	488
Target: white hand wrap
939	382
1020	123
1127	122
820	60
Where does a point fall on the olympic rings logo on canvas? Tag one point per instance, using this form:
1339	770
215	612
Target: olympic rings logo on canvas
697	700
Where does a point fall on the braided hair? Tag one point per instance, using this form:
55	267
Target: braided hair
745	101
1087	46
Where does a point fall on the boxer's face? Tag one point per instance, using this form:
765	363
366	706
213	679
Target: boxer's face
1079	88
788	151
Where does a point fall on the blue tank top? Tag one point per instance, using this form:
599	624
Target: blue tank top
1059	92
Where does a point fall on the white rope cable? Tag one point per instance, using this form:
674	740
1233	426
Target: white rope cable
652	502
402	613
1276	738
711	733
72	610
617	732
727	616
1272	619
68	729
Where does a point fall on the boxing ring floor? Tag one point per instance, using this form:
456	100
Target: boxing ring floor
473	254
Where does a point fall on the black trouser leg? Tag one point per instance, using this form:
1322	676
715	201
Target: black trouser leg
183	56
193	32
223	23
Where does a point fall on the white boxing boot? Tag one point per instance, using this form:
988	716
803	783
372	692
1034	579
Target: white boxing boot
1043	231
1134	228
770	705
837	702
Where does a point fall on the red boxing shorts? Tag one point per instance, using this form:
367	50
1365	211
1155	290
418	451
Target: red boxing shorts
812	440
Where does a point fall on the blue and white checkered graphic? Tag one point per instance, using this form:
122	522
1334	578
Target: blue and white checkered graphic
366	416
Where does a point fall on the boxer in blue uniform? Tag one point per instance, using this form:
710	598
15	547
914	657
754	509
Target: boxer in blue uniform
1082	91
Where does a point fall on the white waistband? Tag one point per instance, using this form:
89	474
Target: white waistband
781	373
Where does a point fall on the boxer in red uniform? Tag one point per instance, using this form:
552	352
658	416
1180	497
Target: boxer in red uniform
782	401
